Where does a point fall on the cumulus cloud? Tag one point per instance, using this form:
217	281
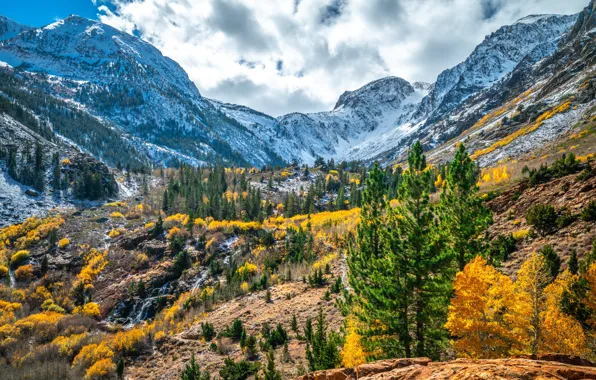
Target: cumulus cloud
280	56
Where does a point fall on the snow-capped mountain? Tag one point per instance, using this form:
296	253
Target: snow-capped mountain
542	98
494	58
156	110
9	28
358	116
382	117
128	83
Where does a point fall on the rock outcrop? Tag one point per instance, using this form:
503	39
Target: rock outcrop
543	367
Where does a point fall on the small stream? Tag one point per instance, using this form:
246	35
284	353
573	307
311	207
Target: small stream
132	311
13	280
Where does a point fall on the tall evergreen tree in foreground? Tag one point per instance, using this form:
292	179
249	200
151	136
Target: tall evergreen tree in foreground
400	270
420	259
375	299
464	218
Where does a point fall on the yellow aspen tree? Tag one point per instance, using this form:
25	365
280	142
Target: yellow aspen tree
532	278
482	315
352	354
561	333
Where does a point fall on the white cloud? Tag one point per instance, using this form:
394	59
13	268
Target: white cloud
279	56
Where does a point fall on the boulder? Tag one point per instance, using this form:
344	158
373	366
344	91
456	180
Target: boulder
550	366
32	193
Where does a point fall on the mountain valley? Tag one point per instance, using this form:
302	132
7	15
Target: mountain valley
417	230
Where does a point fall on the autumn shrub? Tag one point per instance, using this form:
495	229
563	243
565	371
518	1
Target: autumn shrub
24	273
42	326
520	234
90	309
102	369
160	337
4	273
70	345
543	218
19	258
115	232
353	353
116	204
49	305
63	243
246	270
91	354
175	220
589	212
130	342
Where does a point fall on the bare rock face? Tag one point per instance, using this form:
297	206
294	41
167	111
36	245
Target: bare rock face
544	367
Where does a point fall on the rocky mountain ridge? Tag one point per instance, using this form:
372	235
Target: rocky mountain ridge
131	86
150	101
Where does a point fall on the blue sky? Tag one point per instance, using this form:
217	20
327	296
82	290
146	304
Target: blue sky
43	12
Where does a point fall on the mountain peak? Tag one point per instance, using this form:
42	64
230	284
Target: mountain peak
384	89
530	19
10	28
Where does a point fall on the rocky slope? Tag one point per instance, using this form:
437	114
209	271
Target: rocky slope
9	28
150	102
379	120
130	84
19	201
530	107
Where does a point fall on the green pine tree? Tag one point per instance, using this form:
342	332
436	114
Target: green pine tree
324	353
420	260
573	263
192	371
464	218
270	373
553	261
377	286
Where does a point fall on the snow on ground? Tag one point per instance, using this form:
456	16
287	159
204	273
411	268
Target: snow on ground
548	132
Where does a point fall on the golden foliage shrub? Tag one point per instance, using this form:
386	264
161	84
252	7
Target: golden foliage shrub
91	354
102	369
520	234
63	243
176	219
70	345
95	262
19	258
129	342
4	271
247	270
116	204
322	263
24	273
28	233
352	354
90	309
